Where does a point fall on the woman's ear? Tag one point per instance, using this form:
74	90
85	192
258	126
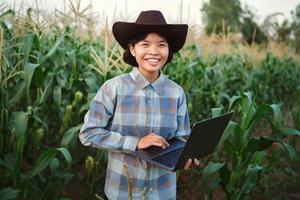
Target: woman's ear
132	50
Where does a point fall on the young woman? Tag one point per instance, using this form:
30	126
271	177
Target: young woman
140	109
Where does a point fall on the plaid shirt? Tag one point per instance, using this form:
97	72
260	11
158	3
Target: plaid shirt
125	109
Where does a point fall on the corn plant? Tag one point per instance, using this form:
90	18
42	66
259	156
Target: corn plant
51	68
26	184
244	153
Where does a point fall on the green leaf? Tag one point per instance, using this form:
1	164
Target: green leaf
259	144
260	113
28	73
290	131
8	162
232	100
53	49
250	180
70	135
9	193
291	151
28	41
43	161
225	175
46	157
46	91
216	111
228	147
92	81
277	115
211	168
17	93
248	95
66	154
229	130
259	157
57	95
19	121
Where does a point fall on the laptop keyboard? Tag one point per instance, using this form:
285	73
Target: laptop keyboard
169	159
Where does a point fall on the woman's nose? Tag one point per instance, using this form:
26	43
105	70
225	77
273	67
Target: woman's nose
153	49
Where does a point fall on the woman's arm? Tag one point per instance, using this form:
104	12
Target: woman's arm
94	131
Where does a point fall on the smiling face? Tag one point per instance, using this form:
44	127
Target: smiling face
151	54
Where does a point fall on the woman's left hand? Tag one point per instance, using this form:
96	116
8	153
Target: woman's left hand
190	163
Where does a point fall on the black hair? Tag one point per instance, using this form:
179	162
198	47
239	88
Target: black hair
130	59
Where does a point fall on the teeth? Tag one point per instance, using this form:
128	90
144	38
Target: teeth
153	60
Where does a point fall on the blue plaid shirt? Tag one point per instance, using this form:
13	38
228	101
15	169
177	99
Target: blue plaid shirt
125	109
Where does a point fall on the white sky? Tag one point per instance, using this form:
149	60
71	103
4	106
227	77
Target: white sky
129	9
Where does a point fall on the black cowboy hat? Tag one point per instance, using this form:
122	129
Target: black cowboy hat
147	22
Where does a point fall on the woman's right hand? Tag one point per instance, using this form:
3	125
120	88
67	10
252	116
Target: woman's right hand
152	139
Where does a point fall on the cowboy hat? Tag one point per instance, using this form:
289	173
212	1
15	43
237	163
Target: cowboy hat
147	22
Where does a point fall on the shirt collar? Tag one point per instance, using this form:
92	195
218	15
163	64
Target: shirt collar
142	81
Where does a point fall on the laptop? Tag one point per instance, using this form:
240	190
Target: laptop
202	141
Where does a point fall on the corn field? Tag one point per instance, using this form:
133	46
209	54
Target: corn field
51	69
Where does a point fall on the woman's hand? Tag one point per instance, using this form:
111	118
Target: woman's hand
152	140
190	163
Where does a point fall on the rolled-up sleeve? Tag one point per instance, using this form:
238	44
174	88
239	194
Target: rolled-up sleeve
183	121
94	131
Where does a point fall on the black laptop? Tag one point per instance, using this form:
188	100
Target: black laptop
202	141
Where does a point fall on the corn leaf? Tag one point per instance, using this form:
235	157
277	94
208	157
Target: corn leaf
216	111
277	115
45	159
53	49
70	135
211	168
229	130
57	95
290	131
9	193
28	73
28	41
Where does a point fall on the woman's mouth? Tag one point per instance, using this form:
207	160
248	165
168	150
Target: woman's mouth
153	61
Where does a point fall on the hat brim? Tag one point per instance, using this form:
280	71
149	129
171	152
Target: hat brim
174	33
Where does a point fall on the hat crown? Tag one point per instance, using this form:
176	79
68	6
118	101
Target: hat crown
151	17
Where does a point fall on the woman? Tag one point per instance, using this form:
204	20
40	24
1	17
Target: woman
140	109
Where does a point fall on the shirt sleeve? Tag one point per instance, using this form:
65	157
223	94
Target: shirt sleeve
183	121
94	131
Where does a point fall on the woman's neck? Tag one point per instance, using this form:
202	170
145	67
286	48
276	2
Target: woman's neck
150	76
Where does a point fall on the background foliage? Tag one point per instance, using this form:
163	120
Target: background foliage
50	71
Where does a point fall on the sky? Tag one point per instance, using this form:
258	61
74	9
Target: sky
187	11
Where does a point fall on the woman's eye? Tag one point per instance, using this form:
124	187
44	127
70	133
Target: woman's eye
162	45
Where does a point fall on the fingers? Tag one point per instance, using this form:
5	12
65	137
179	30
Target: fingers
157	143
159	139
152	140
190	163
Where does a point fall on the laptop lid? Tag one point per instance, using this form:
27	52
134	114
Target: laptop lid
204	138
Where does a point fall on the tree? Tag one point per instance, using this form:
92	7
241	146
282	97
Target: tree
250	30
296	28
219	16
